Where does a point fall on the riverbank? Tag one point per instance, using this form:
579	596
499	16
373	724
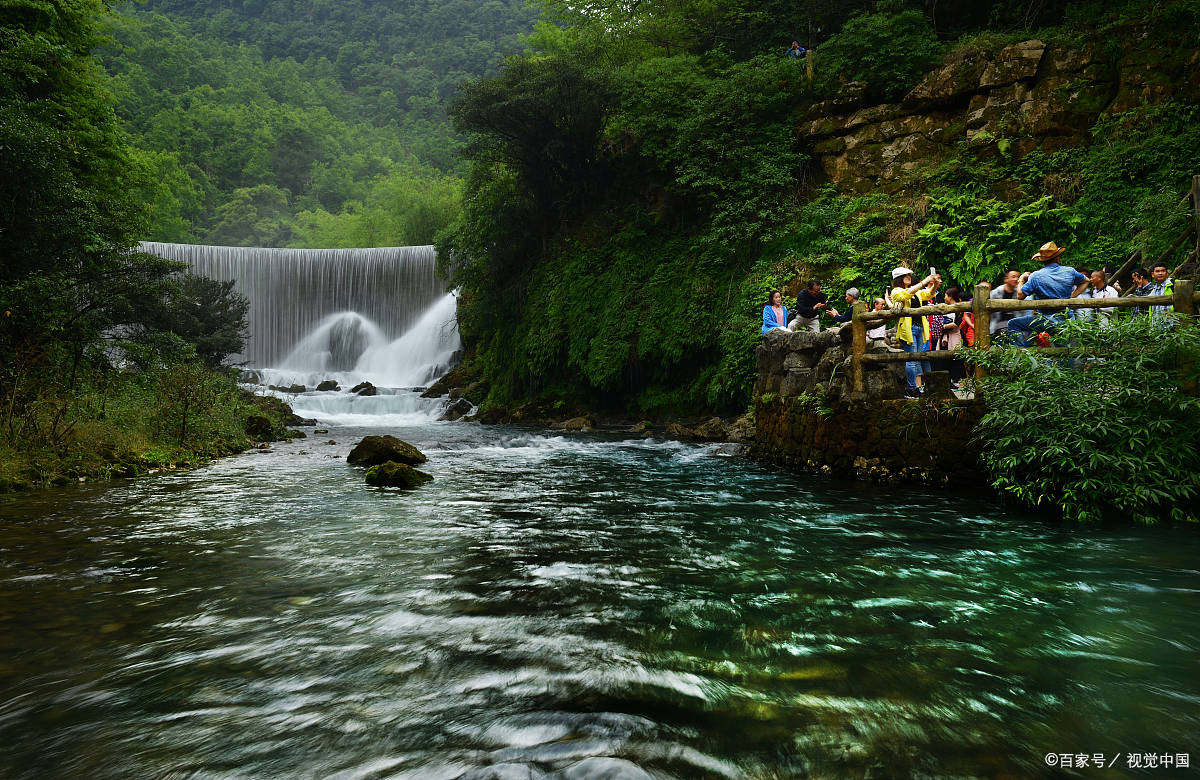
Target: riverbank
128	425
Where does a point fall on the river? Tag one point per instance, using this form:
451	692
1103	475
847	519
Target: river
576	606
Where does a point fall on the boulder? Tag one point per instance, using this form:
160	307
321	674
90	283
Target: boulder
392	474
292	389
455	377
741	430
583	424
374	450
641	427
457	410
327	385
677	431
295	419
711	429
364	388
294	434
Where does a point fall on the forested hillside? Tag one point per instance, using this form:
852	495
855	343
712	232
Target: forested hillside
641	179
278	123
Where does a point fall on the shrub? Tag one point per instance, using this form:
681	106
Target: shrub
888	51
1108	433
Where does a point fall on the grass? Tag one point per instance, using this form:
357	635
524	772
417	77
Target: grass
123	424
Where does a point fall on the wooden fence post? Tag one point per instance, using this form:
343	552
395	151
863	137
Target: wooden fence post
858	331
1196	211
983	320
1185	304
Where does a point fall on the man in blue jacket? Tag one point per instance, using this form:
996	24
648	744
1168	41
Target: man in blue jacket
1052	280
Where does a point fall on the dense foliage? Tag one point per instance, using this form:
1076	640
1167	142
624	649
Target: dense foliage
636	186
1109	433
271	125
78	303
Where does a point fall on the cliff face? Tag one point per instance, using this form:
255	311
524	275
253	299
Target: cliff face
1024	96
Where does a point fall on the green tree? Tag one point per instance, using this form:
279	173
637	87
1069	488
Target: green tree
888	50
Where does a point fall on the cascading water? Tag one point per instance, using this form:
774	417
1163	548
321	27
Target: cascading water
380	315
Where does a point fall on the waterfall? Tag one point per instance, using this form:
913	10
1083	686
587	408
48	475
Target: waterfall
292	292
321	310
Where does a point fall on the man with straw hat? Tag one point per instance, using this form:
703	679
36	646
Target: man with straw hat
1051	281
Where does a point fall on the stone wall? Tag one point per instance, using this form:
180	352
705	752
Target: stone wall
1021	97
807	419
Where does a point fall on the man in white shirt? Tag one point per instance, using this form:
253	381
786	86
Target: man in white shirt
1098	287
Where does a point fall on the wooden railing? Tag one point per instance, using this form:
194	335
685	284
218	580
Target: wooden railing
1184	299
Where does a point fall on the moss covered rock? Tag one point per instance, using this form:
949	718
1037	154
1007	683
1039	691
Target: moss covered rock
375	450
392	474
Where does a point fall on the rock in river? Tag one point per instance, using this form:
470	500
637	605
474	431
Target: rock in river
374	450
392	474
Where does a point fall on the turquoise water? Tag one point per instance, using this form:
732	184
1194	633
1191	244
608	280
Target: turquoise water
571	607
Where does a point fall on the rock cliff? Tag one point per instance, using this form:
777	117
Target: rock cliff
1014	99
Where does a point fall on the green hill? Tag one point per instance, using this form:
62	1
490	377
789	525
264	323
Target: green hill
314	124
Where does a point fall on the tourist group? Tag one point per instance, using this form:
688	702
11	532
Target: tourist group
926	332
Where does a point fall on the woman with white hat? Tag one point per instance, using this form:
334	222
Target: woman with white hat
912	334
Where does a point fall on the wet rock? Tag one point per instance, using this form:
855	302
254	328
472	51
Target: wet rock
294	434
364	389
327	385
712	429
249	376
375	450
295	419
679	431
642	427
582	424
321	430
457	410
741	430
290	389
459	376
392	474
